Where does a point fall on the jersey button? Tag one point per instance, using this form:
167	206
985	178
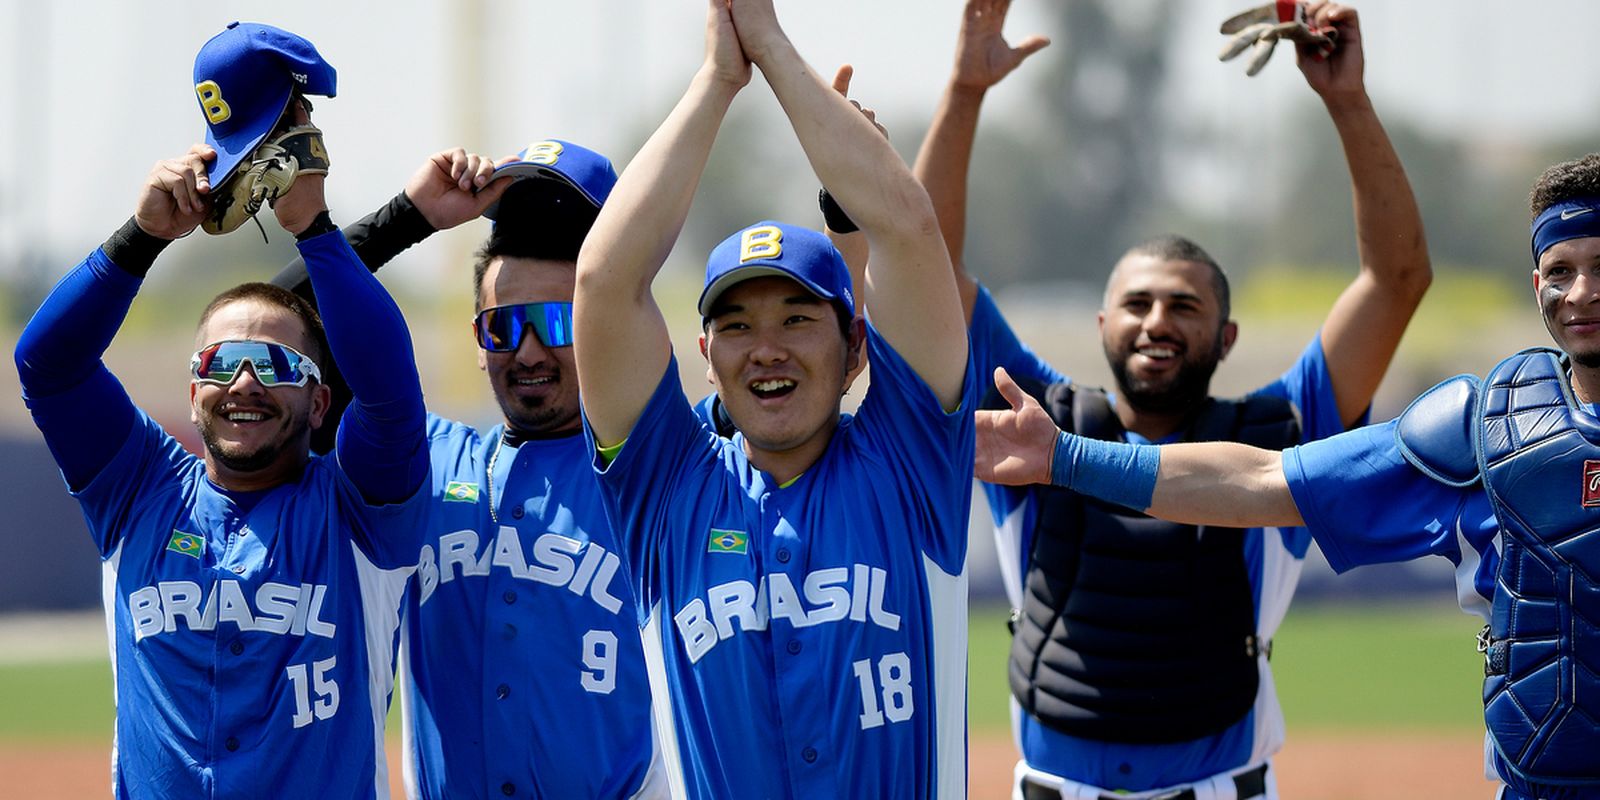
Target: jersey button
794	647
502	691
232	744
510	597
510	632
783	555
508	788
517	513
236	648
809	754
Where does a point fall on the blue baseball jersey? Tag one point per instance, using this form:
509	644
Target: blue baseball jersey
521	645
1273	559
806	640
1364	503
246	624
253	634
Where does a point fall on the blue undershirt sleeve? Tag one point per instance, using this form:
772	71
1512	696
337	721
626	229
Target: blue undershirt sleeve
1115	472
382	444
82	410
995	344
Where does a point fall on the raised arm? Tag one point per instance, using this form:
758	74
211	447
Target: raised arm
1208	483
58	356
620	340
983	59
1365	325
848	238
381	443
450	188
911	299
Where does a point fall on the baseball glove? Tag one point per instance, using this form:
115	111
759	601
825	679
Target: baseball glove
1265	25
267	175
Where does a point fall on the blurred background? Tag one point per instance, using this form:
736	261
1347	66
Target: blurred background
1126	127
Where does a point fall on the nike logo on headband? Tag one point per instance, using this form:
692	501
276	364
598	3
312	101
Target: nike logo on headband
1577	212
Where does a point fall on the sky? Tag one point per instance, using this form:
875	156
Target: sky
96	91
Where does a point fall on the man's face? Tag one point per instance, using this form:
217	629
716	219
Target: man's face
1567	284
249	428
778	361
1163	332
536	385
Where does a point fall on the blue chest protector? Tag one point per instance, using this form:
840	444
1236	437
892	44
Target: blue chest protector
1538	455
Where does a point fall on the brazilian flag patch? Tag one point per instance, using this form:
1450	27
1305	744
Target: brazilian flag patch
461	492
728	542
187	544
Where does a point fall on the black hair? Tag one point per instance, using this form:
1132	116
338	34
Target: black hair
1565	181
1172	247
537	218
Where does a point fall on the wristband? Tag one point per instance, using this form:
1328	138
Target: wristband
133	250
322	224
833	215
1115	472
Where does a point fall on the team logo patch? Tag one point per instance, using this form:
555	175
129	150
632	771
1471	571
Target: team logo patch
1591	484
461	492
187	544
728	542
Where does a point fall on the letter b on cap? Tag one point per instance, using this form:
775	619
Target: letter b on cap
763	242
211	102
545	153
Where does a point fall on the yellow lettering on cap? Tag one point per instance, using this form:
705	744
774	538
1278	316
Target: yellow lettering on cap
546	153
763	242
211	102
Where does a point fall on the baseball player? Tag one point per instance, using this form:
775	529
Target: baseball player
801	585
521	615
252	593
1141	664
1499	475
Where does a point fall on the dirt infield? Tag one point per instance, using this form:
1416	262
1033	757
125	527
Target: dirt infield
1315	766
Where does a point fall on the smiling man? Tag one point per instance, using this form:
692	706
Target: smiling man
520	613
522	616
802	585
1139	657
1500	475
252	594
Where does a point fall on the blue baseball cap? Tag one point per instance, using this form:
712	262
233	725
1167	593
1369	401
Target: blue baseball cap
571	165
243	78
774	248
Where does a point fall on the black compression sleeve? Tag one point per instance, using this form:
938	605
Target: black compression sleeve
133	250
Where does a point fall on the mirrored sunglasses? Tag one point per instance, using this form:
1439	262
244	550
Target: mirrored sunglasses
274	364
500	329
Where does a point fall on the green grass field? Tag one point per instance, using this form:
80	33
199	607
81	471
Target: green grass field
1336	668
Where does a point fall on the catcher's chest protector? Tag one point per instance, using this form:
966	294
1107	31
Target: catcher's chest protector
1540	458
1135	629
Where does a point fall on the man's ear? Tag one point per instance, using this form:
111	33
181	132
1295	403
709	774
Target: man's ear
483	355
706	354
194	411
1230	334
321	401
856	341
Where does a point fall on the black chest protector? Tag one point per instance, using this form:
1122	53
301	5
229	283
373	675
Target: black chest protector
1134	629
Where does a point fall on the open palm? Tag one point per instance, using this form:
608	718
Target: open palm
983	57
